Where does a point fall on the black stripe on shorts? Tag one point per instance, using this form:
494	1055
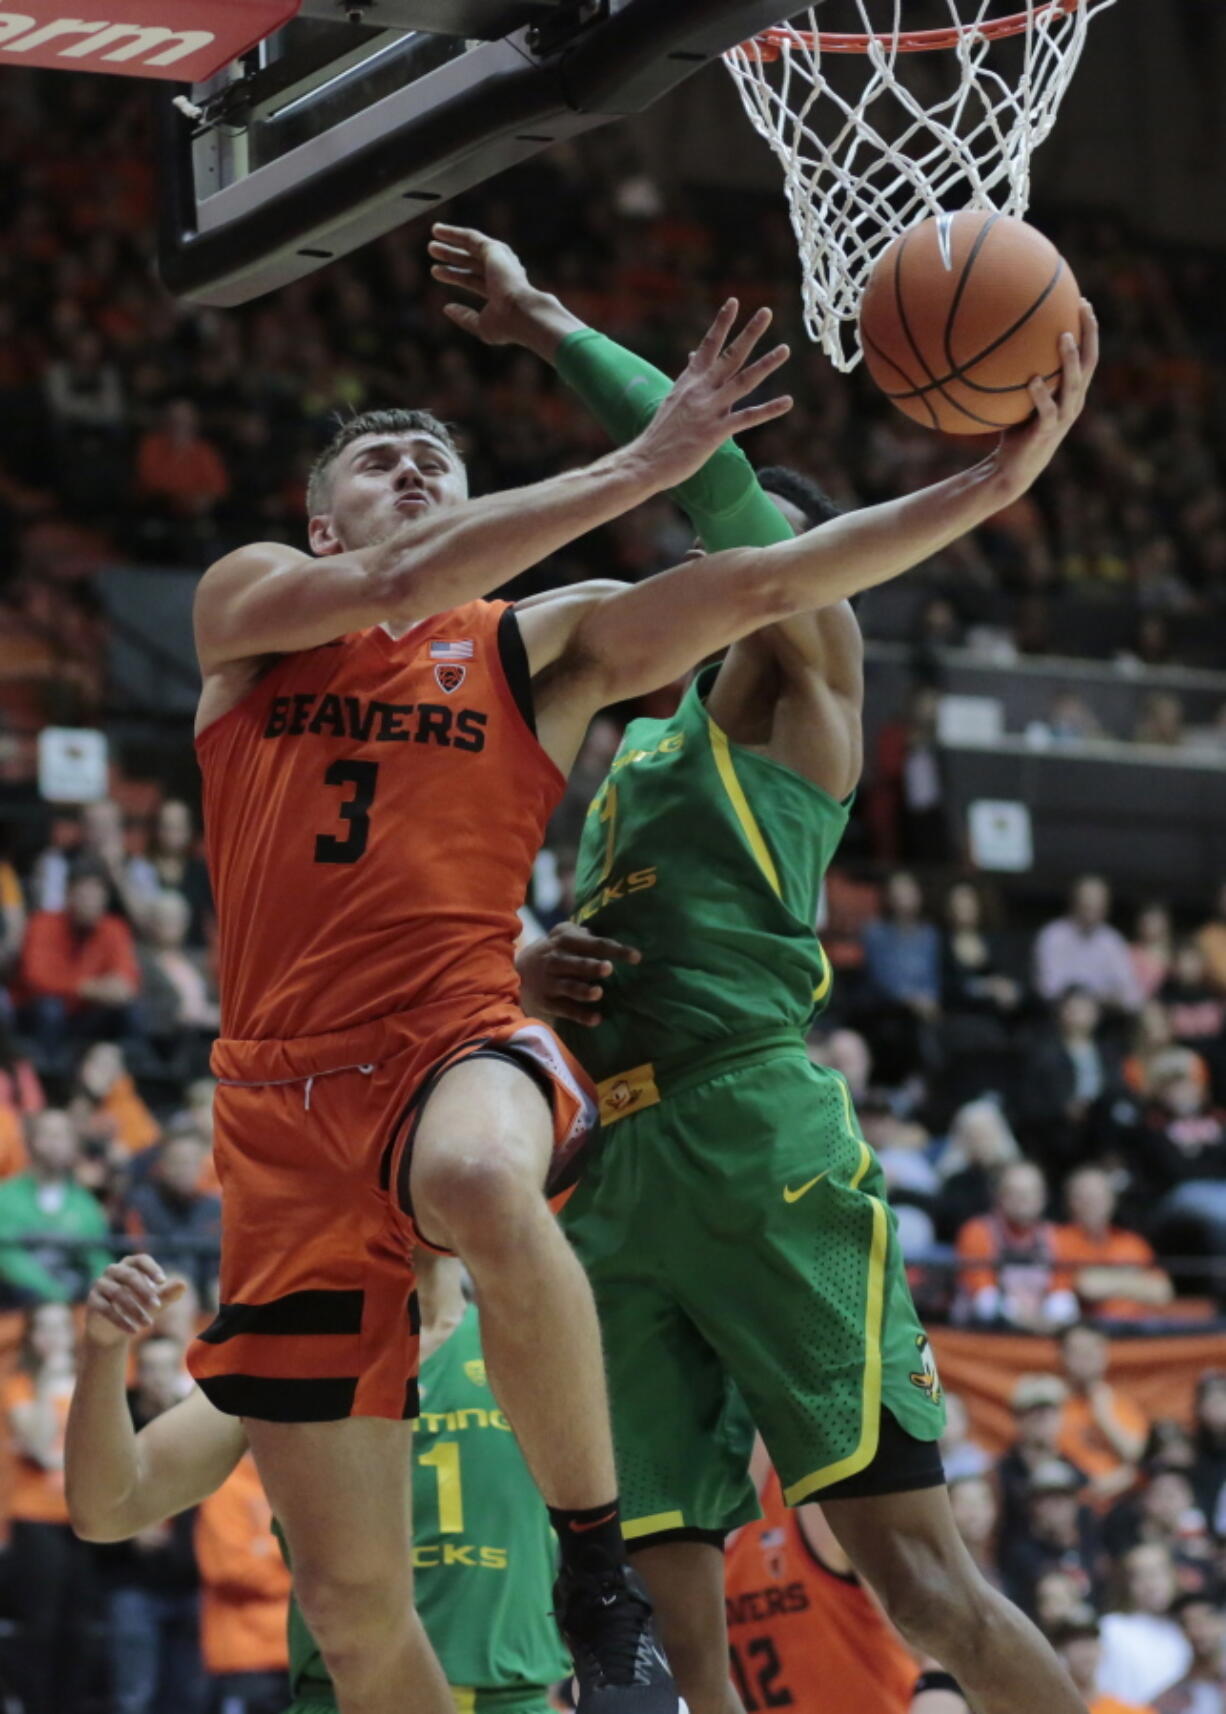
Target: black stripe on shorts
298	1312
279	1400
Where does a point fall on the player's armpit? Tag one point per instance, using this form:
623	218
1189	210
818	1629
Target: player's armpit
633	638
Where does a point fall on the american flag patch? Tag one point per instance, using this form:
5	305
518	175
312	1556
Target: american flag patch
451	651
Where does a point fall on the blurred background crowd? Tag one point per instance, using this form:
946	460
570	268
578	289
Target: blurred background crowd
1041	1067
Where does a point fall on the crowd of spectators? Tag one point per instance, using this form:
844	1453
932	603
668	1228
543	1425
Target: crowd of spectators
1105	1526
1047	1098
135	428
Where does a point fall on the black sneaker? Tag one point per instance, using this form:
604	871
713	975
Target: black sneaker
619	1668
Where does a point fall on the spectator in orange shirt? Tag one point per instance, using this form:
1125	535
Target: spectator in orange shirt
1113	1272
245	1594
1101	1429
79	971
107	1108
21	1095
52	1576
177	470
1077	1641
1017	1283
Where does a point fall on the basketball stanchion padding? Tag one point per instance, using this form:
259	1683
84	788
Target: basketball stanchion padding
183	41
867	157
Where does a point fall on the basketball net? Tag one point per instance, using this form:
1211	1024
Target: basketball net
862	164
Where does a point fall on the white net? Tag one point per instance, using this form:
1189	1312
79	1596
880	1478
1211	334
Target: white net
874	135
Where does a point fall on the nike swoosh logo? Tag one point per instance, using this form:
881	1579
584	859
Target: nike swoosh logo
582	1529
790	1195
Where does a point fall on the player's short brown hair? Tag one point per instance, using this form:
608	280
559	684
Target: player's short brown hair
354	428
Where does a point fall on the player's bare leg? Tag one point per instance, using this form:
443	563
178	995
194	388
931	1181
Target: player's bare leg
341	1493
685	1580
480	1160
908	1549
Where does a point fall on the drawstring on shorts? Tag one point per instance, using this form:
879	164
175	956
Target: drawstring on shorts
308	1083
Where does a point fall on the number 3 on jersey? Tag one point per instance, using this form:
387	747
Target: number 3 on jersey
363	777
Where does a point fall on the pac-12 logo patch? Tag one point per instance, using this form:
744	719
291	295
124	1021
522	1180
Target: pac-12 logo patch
450	678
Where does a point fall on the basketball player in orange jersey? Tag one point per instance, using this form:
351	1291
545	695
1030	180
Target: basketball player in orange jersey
804	1632
381	750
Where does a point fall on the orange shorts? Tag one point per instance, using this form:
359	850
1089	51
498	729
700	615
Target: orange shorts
312	1139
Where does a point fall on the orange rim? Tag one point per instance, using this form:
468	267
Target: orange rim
770	44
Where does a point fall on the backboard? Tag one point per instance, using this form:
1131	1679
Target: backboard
359	115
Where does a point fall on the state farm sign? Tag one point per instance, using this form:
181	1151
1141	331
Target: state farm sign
183	40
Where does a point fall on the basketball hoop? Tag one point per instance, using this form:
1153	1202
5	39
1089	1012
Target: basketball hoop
862	164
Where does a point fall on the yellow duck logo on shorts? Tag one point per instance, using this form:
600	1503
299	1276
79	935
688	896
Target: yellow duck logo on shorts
927	1380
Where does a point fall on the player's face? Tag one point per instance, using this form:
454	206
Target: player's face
381	481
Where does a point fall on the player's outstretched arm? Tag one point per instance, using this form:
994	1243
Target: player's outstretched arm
723	499
119	1481
639	637
813	661
272	599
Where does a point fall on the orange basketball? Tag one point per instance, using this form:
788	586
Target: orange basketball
958	315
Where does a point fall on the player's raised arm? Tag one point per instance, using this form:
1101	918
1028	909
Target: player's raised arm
723	499
427	547
642	636
118	1481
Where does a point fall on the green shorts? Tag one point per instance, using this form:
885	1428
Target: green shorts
519	1699
740	1249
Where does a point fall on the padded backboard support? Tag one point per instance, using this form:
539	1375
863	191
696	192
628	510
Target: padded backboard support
242	216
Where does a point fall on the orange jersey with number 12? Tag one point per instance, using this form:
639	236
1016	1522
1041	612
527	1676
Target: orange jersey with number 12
373	809
801	1636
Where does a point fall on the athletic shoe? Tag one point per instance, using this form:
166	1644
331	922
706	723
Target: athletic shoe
606	1622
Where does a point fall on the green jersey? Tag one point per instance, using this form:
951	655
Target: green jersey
484	1554
710	858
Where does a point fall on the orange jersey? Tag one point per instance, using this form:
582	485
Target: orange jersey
244	1584
37	1494
372	812
803	1636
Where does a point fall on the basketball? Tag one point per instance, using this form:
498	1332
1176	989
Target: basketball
960	312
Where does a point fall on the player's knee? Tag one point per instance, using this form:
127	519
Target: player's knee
476	1200
353	1615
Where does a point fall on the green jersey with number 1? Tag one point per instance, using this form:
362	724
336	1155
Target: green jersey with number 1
484	1553
709	857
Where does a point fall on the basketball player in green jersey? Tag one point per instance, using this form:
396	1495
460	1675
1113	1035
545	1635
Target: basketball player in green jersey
735	1227
484	1553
